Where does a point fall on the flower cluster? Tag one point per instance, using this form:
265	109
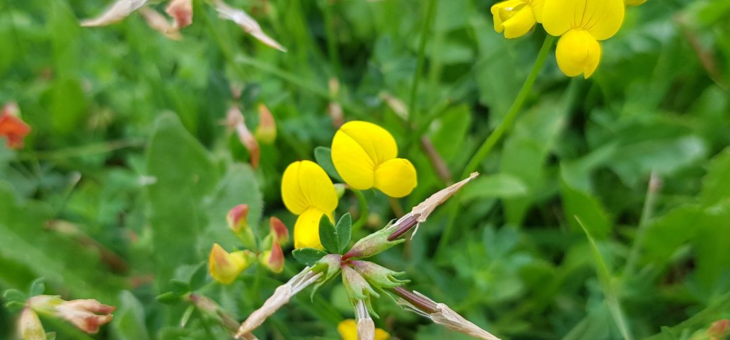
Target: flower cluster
365	156
225	267
580	24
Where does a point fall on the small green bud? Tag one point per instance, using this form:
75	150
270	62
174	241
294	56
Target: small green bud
377	275
372	244
356	286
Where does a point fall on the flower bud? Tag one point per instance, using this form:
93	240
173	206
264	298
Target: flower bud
372	244
266	131
719	329
236	121
225	267
87	315
356	286
279	230
377	275
30	327
238	222
340	189
181	12
273	259
12	127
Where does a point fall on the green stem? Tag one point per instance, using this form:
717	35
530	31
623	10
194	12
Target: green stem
331	36
412	111
514	110
363	210
497	134
646	215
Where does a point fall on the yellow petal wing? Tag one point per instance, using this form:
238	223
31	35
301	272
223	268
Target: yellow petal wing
358	148
602	18
347	329
306	229
578	52
396	177
606	18
305	185
520	23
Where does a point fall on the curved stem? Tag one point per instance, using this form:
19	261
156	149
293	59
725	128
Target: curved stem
412	112
514	110
363	210
497	134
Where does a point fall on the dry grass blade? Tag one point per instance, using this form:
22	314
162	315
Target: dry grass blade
246	22
159	23
115	13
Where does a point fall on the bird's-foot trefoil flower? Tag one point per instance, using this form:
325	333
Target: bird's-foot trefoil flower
225	267
581	24
516	18
279	230
365	156
309	193
348	331
273	259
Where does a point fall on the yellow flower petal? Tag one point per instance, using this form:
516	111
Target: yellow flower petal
578	52
396	177
522	21
225	267
348	331
358	148
306	229
602	18
305	185
538	6
502	11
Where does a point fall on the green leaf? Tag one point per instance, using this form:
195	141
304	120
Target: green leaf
716	185
711	249
37	287
604	278
328	235
180	287
168	298
578	203
344	232
308	256
323	155
184	174
129	319
199	277
14	295
495	186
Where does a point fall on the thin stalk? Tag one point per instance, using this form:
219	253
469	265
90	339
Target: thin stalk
514	110
363	210
331	36
497	134
412	111
646	215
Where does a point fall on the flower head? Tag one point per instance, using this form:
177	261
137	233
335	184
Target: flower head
225	267
365	155
581	24
309	193
517	17
348	331
12	127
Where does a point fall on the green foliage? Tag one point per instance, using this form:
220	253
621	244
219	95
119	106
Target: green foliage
125	181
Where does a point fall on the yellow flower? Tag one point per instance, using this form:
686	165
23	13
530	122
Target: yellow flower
364	154
517	17
308	192
225	267
634	2
348	331
581	25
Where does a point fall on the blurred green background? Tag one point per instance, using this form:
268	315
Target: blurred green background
128	173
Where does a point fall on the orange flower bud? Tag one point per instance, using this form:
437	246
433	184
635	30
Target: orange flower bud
87	315
12	127
236	121
279	230
181	12
266	132
238	223
30	327
273	259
